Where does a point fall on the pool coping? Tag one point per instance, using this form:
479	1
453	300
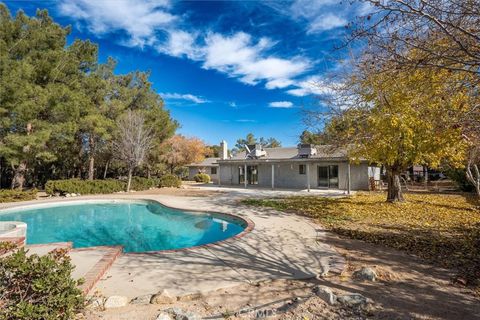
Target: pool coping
249	224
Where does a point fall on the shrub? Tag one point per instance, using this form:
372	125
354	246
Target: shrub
139	183
7	195
201	177
459	176
170	181
38	287
84	186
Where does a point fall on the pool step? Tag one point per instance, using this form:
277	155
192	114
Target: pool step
102	258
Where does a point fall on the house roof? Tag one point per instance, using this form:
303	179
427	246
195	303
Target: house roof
207	162
323	152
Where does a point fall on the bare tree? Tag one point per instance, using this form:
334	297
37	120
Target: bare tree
133	141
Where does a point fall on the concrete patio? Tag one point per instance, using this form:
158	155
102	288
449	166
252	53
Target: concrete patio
281	246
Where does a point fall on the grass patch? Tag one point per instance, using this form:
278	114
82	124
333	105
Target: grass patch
7	195
444	229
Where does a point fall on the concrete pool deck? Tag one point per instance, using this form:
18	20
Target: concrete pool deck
281	246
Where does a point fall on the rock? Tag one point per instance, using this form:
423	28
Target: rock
96	304
115	302
73	194
179	314
365	273
326	294
190	297
68	195
145	299
164	316
163	297
354	300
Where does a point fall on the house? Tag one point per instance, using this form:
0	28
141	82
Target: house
302	167
208	166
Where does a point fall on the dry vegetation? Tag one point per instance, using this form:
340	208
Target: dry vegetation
444	229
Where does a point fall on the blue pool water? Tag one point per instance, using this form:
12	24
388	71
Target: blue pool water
138	226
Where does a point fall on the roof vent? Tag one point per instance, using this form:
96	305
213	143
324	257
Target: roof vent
306	150
255	151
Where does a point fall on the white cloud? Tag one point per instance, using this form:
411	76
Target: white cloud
280	104
184	96
239	56
326	22
232	104
139	19
180	43
311	86
320	15
245	120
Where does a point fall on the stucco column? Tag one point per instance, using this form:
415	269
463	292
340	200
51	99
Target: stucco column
219	176
273	176
308	176
245	176
349	183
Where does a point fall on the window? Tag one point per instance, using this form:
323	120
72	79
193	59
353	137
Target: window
213	170
302	169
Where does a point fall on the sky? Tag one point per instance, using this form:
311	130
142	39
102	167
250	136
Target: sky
223	68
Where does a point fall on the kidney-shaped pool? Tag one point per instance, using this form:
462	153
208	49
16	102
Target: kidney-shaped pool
138	226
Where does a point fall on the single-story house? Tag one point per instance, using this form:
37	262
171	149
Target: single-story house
208	166
302	167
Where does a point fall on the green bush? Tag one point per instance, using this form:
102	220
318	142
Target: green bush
139	183
84	186
7	195
170	181
38	287
97	186
201	177
460	178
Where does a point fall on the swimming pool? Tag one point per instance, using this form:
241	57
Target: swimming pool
136	225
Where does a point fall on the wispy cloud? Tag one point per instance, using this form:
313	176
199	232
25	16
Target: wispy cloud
245	120
313	85
140	20
280	104
184	96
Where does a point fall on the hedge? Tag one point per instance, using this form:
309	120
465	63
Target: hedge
97	186
201	177
170	181
39	287
7	195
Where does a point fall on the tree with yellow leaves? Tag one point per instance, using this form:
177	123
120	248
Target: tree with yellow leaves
400	118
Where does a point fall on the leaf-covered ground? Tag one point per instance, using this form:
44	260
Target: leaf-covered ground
444	229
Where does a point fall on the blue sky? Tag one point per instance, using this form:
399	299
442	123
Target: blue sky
224	68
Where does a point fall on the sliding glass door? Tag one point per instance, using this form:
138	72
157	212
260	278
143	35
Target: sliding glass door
328	176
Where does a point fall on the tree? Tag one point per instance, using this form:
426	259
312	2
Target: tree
399	119
40	92
181	151
133	141
308	137
250	140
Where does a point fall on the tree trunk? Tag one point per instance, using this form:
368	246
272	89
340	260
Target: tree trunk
473	176
394	192
129	179
106	169
19	177
149	175
91	158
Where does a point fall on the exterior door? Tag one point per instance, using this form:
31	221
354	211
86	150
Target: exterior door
328	176
252	174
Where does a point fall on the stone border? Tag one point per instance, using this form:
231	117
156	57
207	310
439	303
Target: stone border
98	270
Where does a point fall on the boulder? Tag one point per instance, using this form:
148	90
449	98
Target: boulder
354	300
163	297
145	299
164	316
326	294
115	302
365	273
96	304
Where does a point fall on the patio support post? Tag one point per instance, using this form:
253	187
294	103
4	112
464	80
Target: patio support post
245	176
273	176
348	179
219	177
308	176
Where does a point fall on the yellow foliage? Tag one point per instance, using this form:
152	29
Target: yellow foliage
444	229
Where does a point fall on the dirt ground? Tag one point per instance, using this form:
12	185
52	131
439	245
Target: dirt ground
407	288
